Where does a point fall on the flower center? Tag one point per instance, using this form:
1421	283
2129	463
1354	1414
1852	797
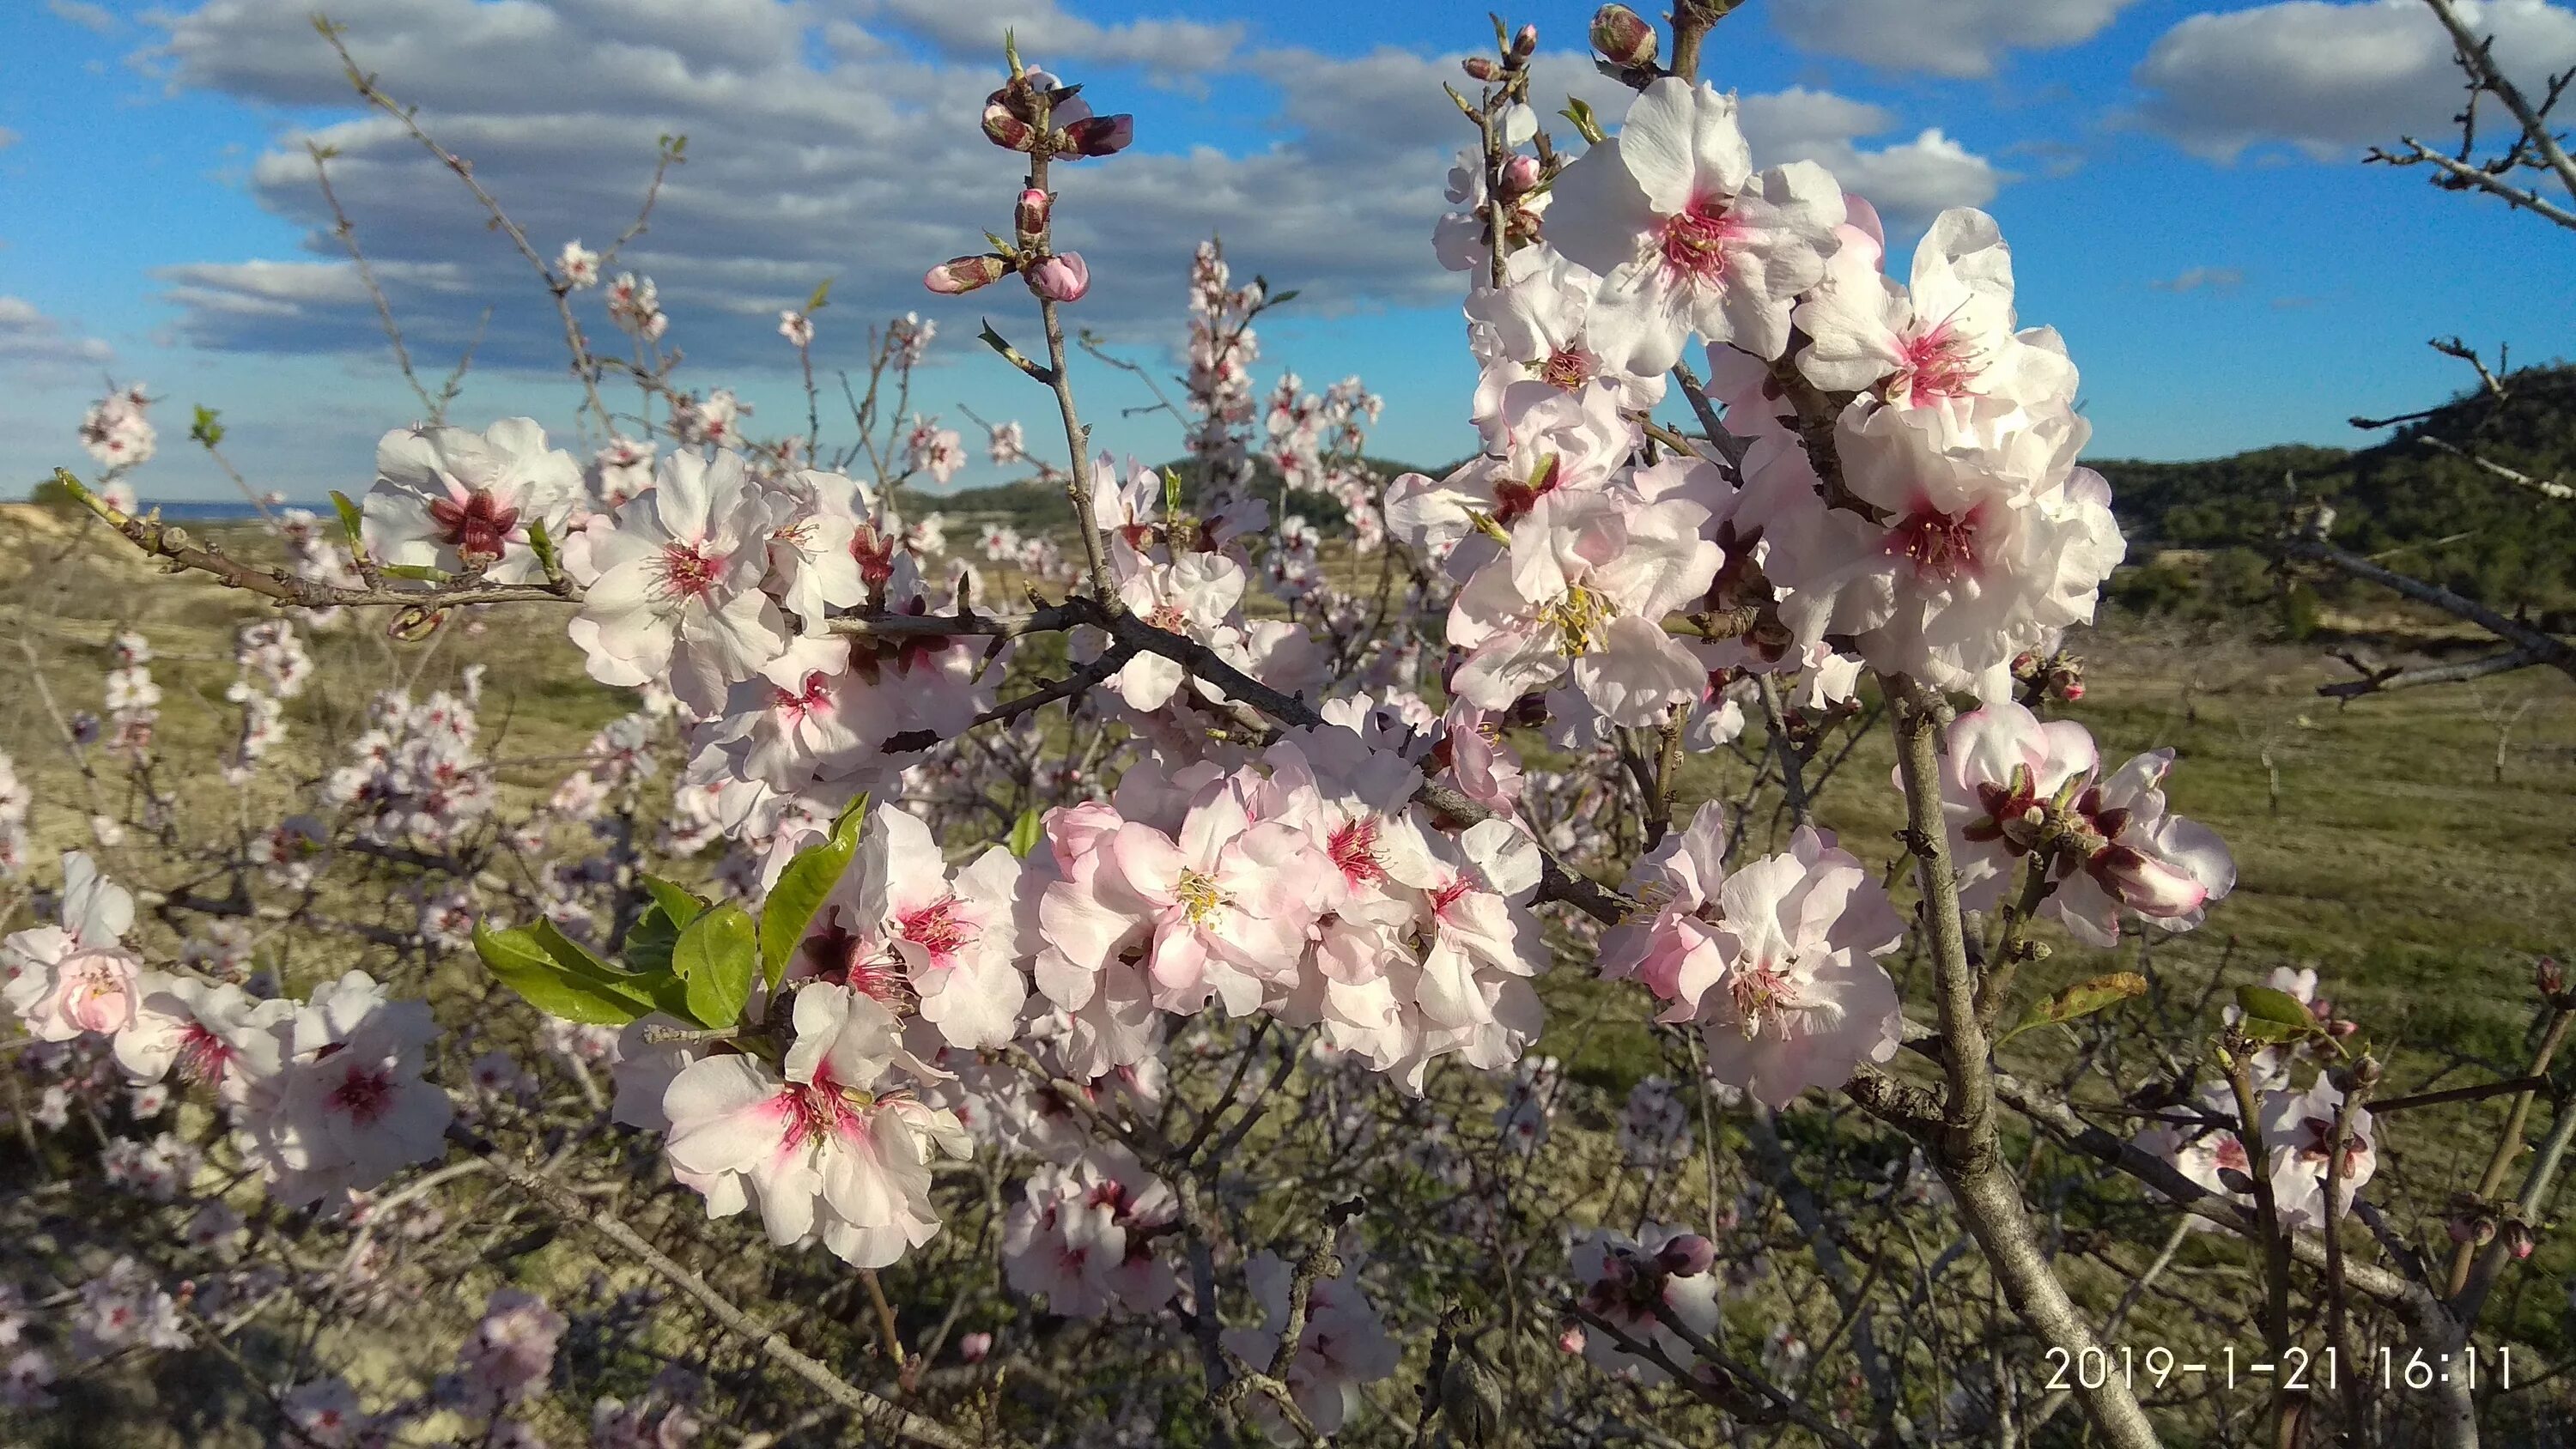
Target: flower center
203	1058
1581	617
1938	364
365	1094
476	526
814	698
1199	896
936	928
689	571
1693	244
1167	617
1940	545
1567	369
1354	849
820	1109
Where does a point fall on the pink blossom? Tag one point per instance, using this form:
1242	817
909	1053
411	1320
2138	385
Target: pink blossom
75	978
1064	277
460	501
2298	1132
1625	1279
678	595
1687	239
1343	1347
830	1152
901	928
1775	961
1947	337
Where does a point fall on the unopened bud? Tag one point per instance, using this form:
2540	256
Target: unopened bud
1099	135
974	1346
2551	976
1623	37
1061	278
1481	68
1029	219
2470	1227
1525	42
2519	1240
964	274
1687	1256
1520	177
1008	131
1572	1339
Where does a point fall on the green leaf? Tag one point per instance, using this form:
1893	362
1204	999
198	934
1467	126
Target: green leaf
1284	298
206	429
679	904
523	965
1026	832
423	572
2258	1029
568	953
716	955
802	889
1171	492
2262	1003
648	943
349	522
822	297
2079	1000
1580	113
542	544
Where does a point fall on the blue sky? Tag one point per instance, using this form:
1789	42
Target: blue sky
2179	181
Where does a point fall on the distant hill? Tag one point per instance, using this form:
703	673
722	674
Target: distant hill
1034	507
2441	517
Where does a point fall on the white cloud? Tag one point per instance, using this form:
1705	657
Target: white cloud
845	145
1963	38
2330	79
29	337
1908	182
2193	279
89	17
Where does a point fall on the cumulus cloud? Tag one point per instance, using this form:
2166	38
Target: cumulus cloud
2331	78
97	18
2193	279
28	337
836	138
1961	38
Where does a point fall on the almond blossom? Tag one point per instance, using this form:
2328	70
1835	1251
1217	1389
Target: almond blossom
901	929
1687	239
1775	961
1632	1282
1946	337
76	977
1586	584
833	1150
678	596
348	1108
2013	785
464	502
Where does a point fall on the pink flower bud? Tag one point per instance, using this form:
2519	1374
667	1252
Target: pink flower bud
1525	42
1481	68
1520	177
964	274
1008	131
974	1346
1029	219
2144	884
1100	135
2519	1240
1623	37
1062	278
1687	1256
1571	1341
2551	976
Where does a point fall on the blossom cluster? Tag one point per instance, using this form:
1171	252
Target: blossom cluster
325	1095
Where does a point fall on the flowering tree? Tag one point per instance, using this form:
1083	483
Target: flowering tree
1168	1063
